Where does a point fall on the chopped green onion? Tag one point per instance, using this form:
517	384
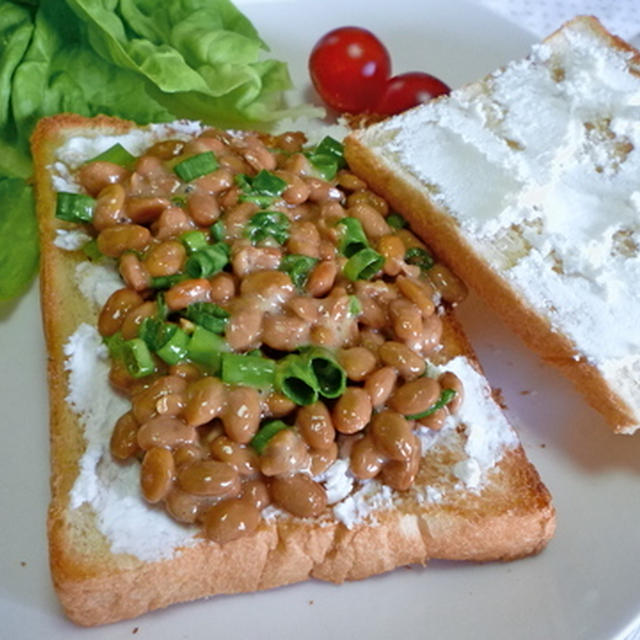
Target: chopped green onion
243	181
265	433
208	315
268	183
207	261
91	250
363	265
162	310
298	267
295	379
420	257
218	231
179	200
268	224
263	189
249	370
353	237
445	397
396	221
196	166
154	332
327	158
331	147
74	207
115	344
116	154
166	282
330	376
174	350
206	348
326	166
137	358
167	340
355	306
194	241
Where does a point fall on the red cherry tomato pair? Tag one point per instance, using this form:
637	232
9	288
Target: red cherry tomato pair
350	70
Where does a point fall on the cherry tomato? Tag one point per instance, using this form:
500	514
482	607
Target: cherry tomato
408	90
349	68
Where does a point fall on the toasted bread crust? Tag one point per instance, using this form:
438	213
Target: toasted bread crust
510	518
444	235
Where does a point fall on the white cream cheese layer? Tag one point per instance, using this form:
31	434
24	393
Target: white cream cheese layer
547	150
112	488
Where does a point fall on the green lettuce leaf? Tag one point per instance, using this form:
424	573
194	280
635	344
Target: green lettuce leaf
16	29
192	52
18	229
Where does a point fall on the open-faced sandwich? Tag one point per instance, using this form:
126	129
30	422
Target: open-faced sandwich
254	375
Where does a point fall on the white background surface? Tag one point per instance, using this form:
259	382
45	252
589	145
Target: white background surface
621	17
586	585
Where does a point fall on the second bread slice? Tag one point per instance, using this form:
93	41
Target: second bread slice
527	182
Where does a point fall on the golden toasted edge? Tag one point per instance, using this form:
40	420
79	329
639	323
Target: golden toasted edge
433	223
591	23
513	517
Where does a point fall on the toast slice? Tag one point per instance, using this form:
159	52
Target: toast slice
113	556
526	182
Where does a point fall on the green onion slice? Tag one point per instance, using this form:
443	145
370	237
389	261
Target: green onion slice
218	231
330	376
298	267
208	315
154	332
396	221
295	379
265	433
91	250
196	166
327	158
167	340
205	262
74	207
420	257
268	224
174	350
162	309
332	147
206	348
263	189
249	370
166	282
363	265
326	167
115	344
355	306
445	397
137	358
116	154
353	237
194	241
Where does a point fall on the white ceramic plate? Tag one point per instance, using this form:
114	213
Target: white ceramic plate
586	585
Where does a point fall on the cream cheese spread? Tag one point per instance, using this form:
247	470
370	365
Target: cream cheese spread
112	488
71	239
97	281
539	166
